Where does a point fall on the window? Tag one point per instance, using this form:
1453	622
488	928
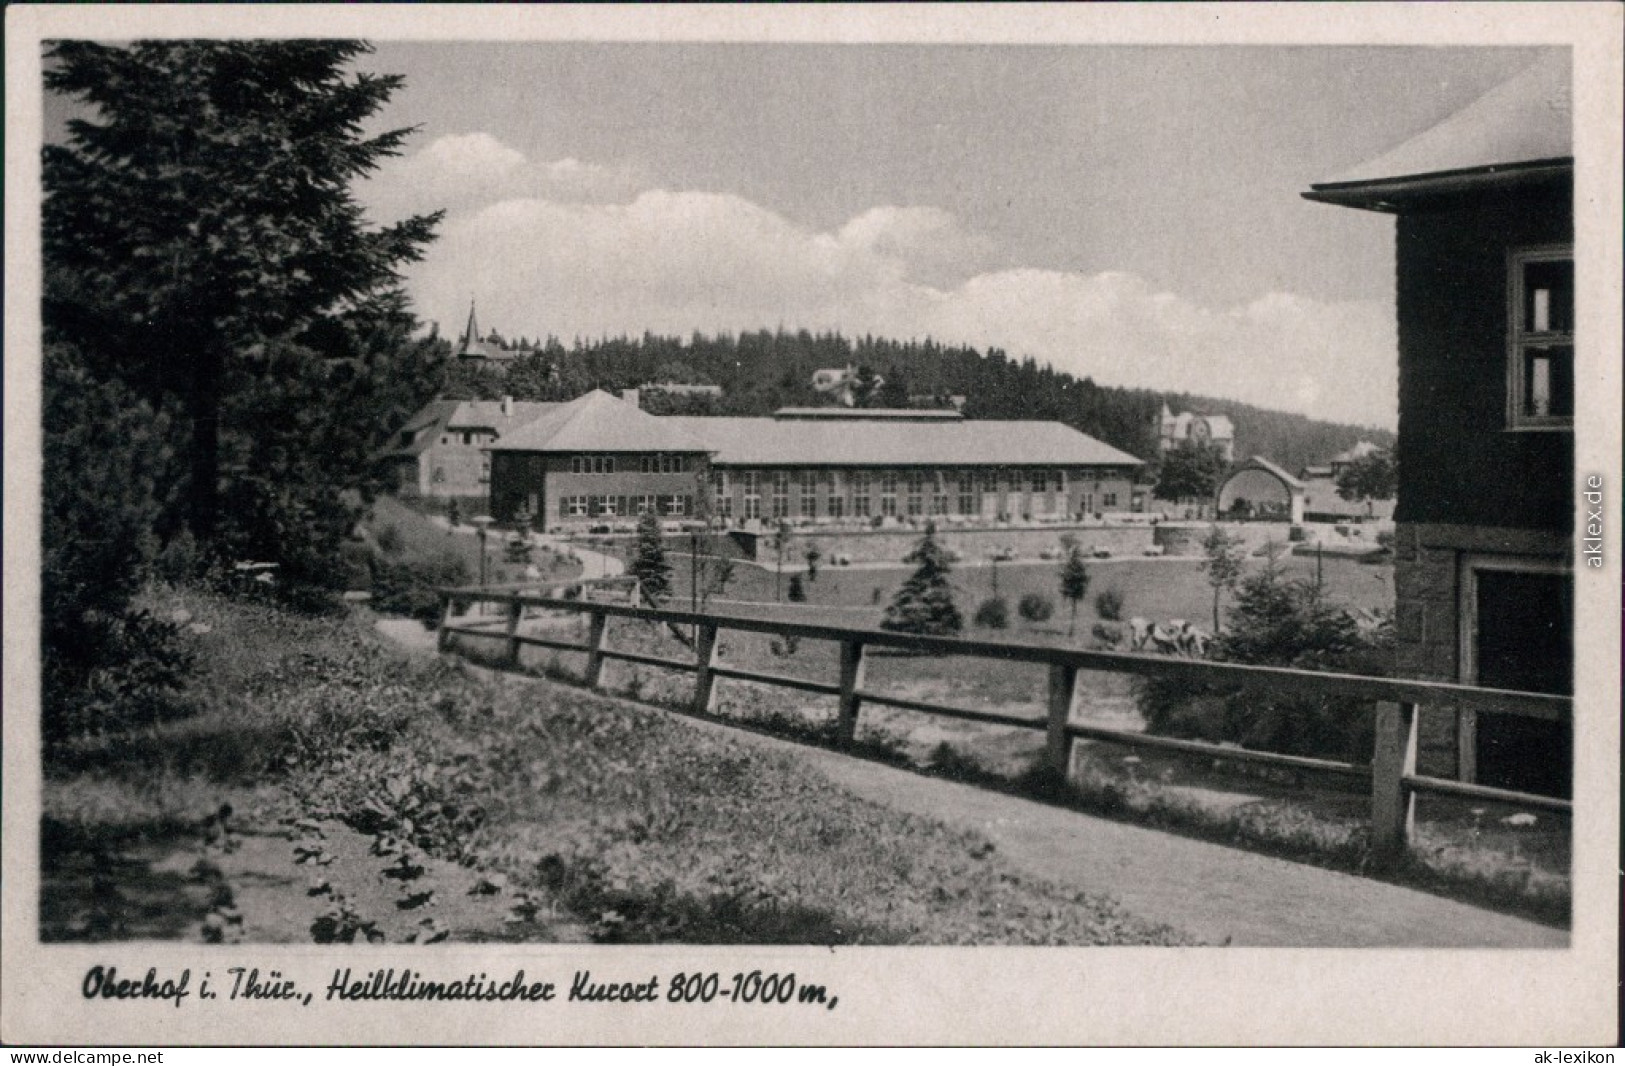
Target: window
916	486
575	506
837	507
967	493
592	464
646	505
859	484
661	463
677	505
1109	500
1540	372
1039	481
888	493
606	506
781	494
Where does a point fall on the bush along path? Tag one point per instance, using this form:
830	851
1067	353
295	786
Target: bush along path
384	797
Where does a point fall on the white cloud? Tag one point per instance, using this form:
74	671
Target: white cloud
461	172
547	249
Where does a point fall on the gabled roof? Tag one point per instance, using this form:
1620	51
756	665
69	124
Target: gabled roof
1258	462
1520	131
598	422
868	443
487	414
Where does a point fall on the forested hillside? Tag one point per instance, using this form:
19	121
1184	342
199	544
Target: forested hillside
763	370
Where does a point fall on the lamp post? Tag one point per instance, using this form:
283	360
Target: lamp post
481	524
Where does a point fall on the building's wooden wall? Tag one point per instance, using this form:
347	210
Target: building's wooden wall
1458	462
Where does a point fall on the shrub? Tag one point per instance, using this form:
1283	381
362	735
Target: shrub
1109	605
1036	607
408	587
1279	622
993	613
181	561
1108	634
797	592
389	539
1295	534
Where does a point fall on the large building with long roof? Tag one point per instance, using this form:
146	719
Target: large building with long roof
599	458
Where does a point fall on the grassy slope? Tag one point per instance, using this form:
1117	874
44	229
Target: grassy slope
625	821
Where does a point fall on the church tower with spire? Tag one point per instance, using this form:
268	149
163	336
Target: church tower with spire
477	348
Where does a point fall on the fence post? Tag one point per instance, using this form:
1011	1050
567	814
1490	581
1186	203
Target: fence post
597	639
1063	687
1467	744
705	657
515	613
1393	806
443	638
846	722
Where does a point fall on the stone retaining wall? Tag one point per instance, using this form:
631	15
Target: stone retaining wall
890	545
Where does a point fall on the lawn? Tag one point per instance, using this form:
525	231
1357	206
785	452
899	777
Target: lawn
1465	848
312	744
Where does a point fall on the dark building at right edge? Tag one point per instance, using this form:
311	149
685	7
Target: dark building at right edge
1484	524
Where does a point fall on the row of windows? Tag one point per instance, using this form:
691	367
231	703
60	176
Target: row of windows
809	482
913	503
651	463
612	506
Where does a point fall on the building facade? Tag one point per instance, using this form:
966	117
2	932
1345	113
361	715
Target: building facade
1193	427
1485	514
443	451
597	459
808	466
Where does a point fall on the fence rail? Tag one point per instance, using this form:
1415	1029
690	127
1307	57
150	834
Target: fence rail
1392	776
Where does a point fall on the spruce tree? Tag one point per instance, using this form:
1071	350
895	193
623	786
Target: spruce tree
649	563
1074	583
925	602
203	248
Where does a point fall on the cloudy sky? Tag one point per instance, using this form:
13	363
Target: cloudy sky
1130	213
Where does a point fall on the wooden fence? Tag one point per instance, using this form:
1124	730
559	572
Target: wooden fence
1394	782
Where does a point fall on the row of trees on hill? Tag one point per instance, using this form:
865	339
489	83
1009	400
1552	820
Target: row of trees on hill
764	370
225	339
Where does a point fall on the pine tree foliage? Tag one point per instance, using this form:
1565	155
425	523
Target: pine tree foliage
201	245
649	564
925	602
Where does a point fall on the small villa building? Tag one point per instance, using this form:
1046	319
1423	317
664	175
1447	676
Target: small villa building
441	451
1195	427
